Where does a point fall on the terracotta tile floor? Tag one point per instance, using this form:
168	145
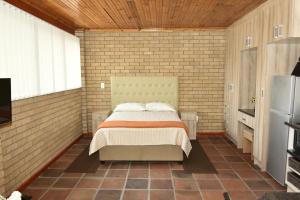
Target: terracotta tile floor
156	180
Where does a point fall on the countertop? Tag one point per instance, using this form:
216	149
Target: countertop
250	112
280	196
294	125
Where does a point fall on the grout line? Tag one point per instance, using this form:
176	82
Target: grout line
126	178
149	181
80	178
173	181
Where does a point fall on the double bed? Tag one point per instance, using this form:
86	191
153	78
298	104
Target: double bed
154	134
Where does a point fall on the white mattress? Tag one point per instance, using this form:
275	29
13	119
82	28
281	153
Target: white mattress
141	136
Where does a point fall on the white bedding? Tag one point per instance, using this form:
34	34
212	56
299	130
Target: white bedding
141	136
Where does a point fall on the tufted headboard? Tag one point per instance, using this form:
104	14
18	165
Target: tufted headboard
144	90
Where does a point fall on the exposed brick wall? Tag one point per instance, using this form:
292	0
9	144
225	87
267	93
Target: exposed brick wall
42	127
196	57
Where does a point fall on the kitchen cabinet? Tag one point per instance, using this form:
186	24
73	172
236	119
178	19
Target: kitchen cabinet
269	30
283	19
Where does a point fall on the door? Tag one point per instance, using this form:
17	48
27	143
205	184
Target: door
277	149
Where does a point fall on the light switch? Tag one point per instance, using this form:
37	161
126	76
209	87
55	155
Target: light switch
102	85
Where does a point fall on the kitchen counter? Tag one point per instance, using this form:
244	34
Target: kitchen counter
294	125
250	112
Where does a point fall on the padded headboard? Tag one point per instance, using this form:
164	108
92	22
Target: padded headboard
144	90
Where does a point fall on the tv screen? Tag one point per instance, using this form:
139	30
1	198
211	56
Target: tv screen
5	100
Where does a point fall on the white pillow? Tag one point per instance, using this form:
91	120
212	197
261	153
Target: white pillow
123	107
157	106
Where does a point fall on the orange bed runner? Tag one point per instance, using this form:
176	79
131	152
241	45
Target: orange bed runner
143	124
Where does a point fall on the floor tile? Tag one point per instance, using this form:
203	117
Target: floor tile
233	159
227	151
188	195
106	165
115	173
209	185
108	195
139	165
204	176
236	174
137	184
113	183
89	183
52	173
258	185
176	165
160	173
216	159
242	195
56	194
185	184
241	166
234	185
181	174
74	175
161	184
138	173
259	193
119	165
276	185
227	174
65	182
222	165
42	182
35	193
99	173
248	174
161	195
212	195
159	165
82	194
135	195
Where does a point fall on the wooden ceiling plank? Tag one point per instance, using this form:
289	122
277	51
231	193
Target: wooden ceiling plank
138	14
135	14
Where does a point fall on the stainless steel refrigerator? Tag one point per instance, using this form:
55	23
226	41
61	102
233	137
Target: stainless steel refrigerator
285	106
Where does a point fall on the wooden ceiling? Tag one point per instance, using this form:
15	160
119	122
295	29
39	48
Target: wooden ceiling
138	14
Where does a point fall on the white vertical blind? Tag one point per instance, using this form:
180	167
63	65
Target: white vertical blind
37	56
73	71
18	59
46	76
59	59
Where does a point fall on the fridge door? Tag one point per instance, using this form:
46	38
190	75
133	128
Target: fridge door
283	94
277	149
296	112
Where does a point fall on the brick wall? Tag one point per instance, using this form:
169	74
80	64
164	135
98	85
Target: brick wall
42	127
196	57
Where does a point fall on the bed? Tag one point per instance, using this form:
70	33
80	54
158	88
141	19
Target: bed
135	143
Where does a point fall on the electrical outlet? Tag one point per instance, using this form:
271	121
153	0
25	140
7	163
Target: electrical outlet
102	85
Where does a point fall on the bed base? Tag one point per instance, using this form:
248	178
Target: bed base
141	153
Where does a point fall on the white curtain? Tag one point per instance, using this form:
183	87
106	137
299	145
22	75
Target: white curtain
73	71
18	56
59	62
38	57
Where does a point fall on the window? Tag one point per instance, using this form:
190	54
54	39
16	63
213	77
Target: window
38	57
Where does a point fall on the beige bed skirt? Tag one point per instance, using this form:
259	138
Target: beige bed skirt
141	153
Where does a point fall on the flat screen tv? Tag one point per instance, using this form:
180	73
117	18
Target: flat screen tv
5	100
